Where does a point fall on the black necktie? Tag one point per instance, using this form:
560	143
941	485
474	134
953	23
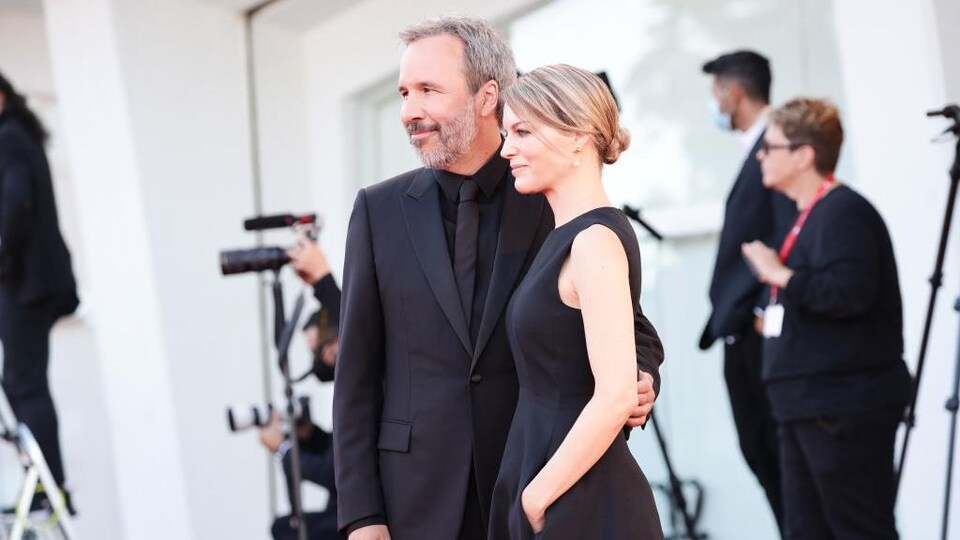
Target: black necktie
465	246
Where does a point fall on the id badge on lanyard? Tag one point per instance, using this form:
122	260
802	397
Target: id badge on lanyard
773	314
773	320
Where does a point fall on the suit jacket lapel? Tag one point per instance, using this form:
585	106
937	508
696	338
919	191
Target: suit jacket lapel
747	164
421	211
518	226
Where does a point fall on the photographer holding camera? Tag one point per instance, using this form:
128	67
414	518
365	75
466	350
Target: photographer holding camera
316	450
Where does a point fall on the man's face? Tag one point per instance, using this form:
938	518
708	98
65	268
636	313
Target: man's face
722	93
717	90
439	111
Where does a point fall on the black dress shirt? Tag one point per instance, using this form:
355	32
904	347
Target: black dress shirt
490	202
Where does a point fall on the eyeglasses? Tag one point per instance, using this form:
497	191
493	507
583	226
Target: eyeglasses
766	147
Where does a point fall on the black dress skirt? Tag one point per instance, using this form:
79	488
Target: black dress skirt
613	499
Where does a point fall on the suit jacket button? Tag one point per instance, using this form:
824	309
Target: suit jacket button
475	378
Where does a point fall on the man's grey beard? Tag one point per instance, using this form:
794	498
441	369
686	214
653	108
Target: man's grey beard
454	141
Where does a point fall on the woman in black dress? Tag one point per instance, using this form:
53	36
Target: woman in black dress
567	471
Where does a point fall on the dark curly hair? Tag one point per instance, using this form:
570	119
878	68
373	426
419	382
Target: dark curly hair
16	106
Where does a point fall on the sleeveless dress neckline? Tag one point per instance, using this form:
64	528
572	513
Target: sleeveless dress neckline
585	214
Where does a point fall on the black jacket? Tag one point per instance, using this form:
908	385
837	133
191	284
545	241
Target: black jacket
34	260
328	294
416	408
843	319
752	212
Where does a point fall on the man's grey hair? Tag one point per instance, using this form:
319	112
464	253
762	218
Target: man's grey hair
486	56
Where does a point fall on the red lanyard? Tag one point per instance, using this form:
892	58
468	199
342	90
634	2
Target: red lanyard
791	240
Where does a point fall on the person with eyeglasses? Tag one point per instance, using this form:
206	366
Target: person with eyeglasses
741	96
833	336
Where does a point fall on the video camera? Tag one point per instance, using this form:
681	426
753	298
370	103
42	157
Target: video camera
259	259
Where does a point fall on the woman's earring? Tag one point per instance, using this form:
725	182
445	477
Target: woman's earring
576	162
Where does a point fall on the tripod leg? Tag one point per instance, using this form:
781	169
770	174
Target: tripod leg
952	406
676	487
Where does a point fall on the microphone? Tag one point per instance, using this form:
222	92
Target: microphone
950	111
277	221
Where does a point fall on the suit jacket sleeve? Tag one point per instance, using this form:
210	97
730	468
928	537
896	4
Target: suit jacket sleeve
358	394
328	294
649	348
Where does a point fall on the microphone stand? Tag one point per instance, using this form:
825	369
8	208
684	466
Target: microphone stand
283	335
936	280
634	214
952	405
677	498
951	112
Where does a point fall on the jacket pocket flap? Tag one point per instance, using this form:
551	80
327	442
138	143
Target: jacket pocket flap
394	436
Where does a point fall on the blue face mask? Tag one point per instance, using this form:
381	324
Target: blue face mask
720	119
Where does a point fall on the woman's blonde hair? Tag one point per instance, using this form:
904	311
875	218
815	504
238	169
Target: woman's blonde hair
574	100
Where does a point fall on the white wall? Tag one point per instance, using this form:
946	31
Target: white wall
890	83
24	57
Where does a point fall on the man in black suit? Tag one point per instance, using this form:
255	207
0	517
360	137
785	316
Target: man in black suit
426	385
37	286
741	97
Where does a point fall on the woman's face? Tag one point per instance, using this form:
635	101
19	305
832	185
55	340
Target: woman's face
779	160
539	154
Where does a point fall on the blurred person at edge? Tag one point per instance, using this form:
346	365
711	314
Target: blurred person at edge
833	348
316	450
37	284
741	102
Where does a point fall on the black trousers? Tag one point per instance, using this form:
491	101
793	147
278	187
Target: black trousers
25	333
473	526
838	478
756	428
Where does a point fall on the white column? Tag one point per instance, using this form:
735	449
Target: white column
153	101
121	293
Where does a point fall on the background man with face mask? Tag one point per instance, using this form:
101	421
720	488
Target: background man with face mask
741	96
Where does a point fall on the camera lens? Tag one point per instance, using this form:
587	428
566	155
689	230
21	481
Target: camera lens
239	261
